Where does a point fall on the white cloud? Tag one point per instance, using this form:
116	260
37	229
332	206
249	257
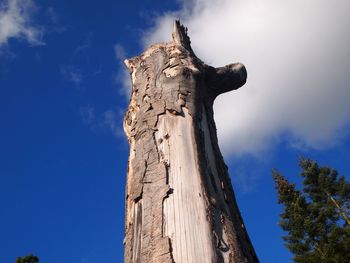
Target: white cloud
16	22
297	54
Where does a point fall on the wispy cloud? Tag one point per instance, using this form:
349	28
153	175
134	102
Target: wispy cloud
297	56
122	76
119	52
87	114
54	24
82	48
109	121
16	22
98	71
248	172
73	71
54	17
72	74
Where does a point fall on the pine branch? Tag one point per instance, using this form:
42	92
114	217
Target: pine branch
342	213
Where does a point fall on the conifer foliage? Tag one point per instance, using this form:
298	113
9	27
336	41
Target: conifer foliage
316	218
28	259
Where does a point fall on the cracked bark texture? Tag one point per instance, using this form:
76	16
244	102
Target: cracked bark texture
180	204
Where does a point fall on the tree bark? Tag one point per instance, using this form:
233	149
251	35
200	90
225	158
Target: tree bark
180	204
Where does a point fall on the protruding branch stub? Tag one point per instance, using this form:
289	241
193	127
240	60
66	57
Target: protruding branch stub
219	80
224	79
180	36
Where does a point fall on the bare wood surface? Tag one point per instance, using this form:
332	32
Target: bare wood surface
180	205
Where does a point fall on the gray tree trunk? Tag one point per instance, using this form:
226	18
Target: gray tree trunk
180	205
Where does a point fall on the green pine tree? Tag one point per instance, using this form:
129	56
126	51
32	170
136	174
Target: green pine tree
28	259
316	218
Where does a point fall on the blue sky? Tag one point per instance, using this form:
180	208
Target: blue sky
63	93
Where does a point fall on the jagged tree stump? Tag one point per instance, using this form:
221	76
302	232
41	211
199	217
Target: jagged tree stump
180	205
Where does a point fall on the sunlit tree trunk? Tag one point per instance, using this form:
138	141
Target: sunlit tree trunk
180	205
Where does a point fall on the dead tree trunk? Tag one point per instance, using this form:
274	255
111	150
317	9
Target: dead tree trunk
180	205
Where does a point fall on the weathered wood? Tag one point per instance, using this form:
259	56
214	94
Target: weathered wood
180	205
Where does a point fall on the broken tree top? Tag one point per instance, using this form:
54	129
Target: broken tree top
180	204
219	80
180	35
